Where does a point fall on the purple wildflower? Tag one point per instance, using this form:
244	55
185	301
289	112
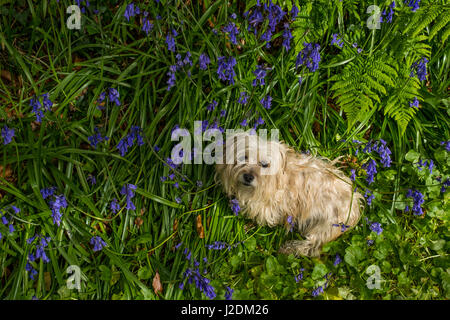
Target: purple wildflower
212	105
232	31
337	41
266	102
243	98
287	36
170	42
96	138
204	61
114	206
447	145
418	200
369	196
98	243
414	103
420	68
309	57
343	226
234	203
113	96
229	293
128	191
260	74
225	69
337	260
371	170
413	4
7	134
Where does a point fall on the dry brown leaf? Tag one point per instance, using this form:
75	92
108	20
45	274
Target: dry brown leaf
5	74
138	222
157	286
200	229
175	225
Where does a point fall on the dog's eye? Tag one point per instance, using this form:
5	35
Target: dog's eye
264	164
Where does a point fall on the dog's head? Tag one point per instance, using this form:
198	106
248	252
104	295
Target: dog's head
251	165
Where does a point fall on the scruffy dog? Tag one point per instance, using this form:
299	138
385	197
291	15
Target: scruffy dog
273	182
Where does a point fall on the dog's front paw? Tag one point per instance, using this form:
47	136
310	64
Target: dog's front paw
300	248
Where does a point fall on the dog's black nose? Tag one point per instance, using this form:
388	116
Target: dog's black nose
248	177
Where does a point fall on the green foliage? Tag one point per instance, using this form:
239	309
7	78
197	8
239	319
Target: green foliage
354	95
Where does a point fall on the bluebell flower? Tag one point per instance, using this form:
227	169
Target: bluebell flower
98	243
337	41
232	31
46	103
299	276
128	191
294	12
414	103
170	40
374	226
58	203
343	226
225	69
254	20
337	260
267	36
39	253
220	245
7	134
389	15
91	179
15	209
114	206
420	68
309	57
113	96
353	175
147	26
129	139
101	97
38	108
291	223
234	203
369	197
204	61
47	192
316	292
413	4
418	200
287	36
212	105
266	102
445	185
229	293
371	170
172	79
201	282
96	138
447	145
244	123
243	98
260	74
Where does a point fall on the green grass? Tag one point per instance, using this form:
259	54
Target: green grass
39	54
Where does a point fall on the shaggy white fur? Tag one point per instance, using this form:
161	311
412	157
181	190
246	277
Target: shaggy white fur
272	182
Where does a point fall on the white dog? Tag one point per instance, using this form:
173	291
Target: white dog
272	182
